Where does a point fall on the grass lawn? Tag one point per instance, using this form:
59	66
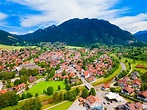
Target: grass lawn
43	85
103	80
12	47
63	106
73	47
139	63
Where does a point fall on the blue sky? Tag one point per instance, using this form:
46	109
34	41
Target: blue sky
25	16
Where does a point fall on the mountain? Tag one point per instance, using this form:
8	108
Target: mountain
141	35
81	32
9	39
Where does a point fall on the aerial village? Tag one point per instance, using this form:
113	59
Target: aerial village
22	69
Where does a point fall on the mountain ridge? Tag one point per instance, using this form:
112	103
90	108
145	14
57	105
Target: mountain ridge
141	35
81	31
78	32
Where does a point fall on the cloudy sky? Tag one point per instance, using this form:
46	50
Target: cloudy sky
24	16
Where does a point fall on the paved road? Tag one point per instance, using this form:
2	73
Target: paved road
1	85
89	86
123	66
12	80
55	105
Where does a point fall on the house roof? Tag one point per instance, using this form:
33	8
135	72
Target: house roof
129	89
134	106
3	91
106	85
144	93
92	99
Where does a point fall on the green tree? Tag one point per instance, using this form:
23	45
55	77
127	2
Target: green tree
56	96
68	87
92	92
63	73
23	71
8	99
77	90
85	93
28	95
59	87
144	77
32	104
17	82
24	78
50	90
36	95
23	96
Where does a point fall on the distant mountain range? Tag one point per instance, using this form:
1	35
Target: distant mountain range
9	39
141	35
79	32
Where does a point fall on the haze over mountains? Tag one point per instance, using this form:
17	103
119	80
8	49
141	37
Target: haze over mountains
75	32
141	35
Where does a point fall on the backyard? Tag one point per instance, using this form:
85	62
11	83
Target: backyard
43	85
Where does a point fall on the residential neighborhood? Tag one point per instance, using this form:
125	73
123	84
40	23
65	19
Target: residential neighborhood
24	69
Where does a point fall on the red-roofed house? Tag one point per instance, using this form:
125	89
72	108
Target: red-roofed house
3	91
93	103
127	90
86	74
105	87
142	95
136	83
133	106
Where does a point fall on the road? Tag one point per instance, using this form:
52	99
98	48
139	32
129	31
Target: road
123	66
89	86
1	85
55	105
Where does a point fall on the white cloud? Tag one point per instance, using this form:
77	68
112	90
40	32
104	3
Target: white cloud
13	32
3	16
61	10
132	23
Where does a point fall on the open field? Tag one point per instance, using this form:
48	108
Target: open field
139	63
12	47
103	80
43	85
73	47
64	106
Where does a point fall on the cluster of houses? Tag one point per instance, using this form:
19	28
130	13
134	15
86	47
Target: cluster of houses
130	85
69	60
14	58
17	88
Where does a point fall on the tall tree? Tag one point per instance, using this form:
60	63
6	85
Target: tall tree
85	93
92	92
50	90
8	99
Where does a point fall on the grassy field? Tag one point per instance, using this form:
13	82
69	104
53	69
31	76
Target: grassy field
12	47
103	80
63	106
73	47
43	85
139	63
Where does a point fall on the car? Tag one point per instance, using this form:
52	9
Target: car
104	103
